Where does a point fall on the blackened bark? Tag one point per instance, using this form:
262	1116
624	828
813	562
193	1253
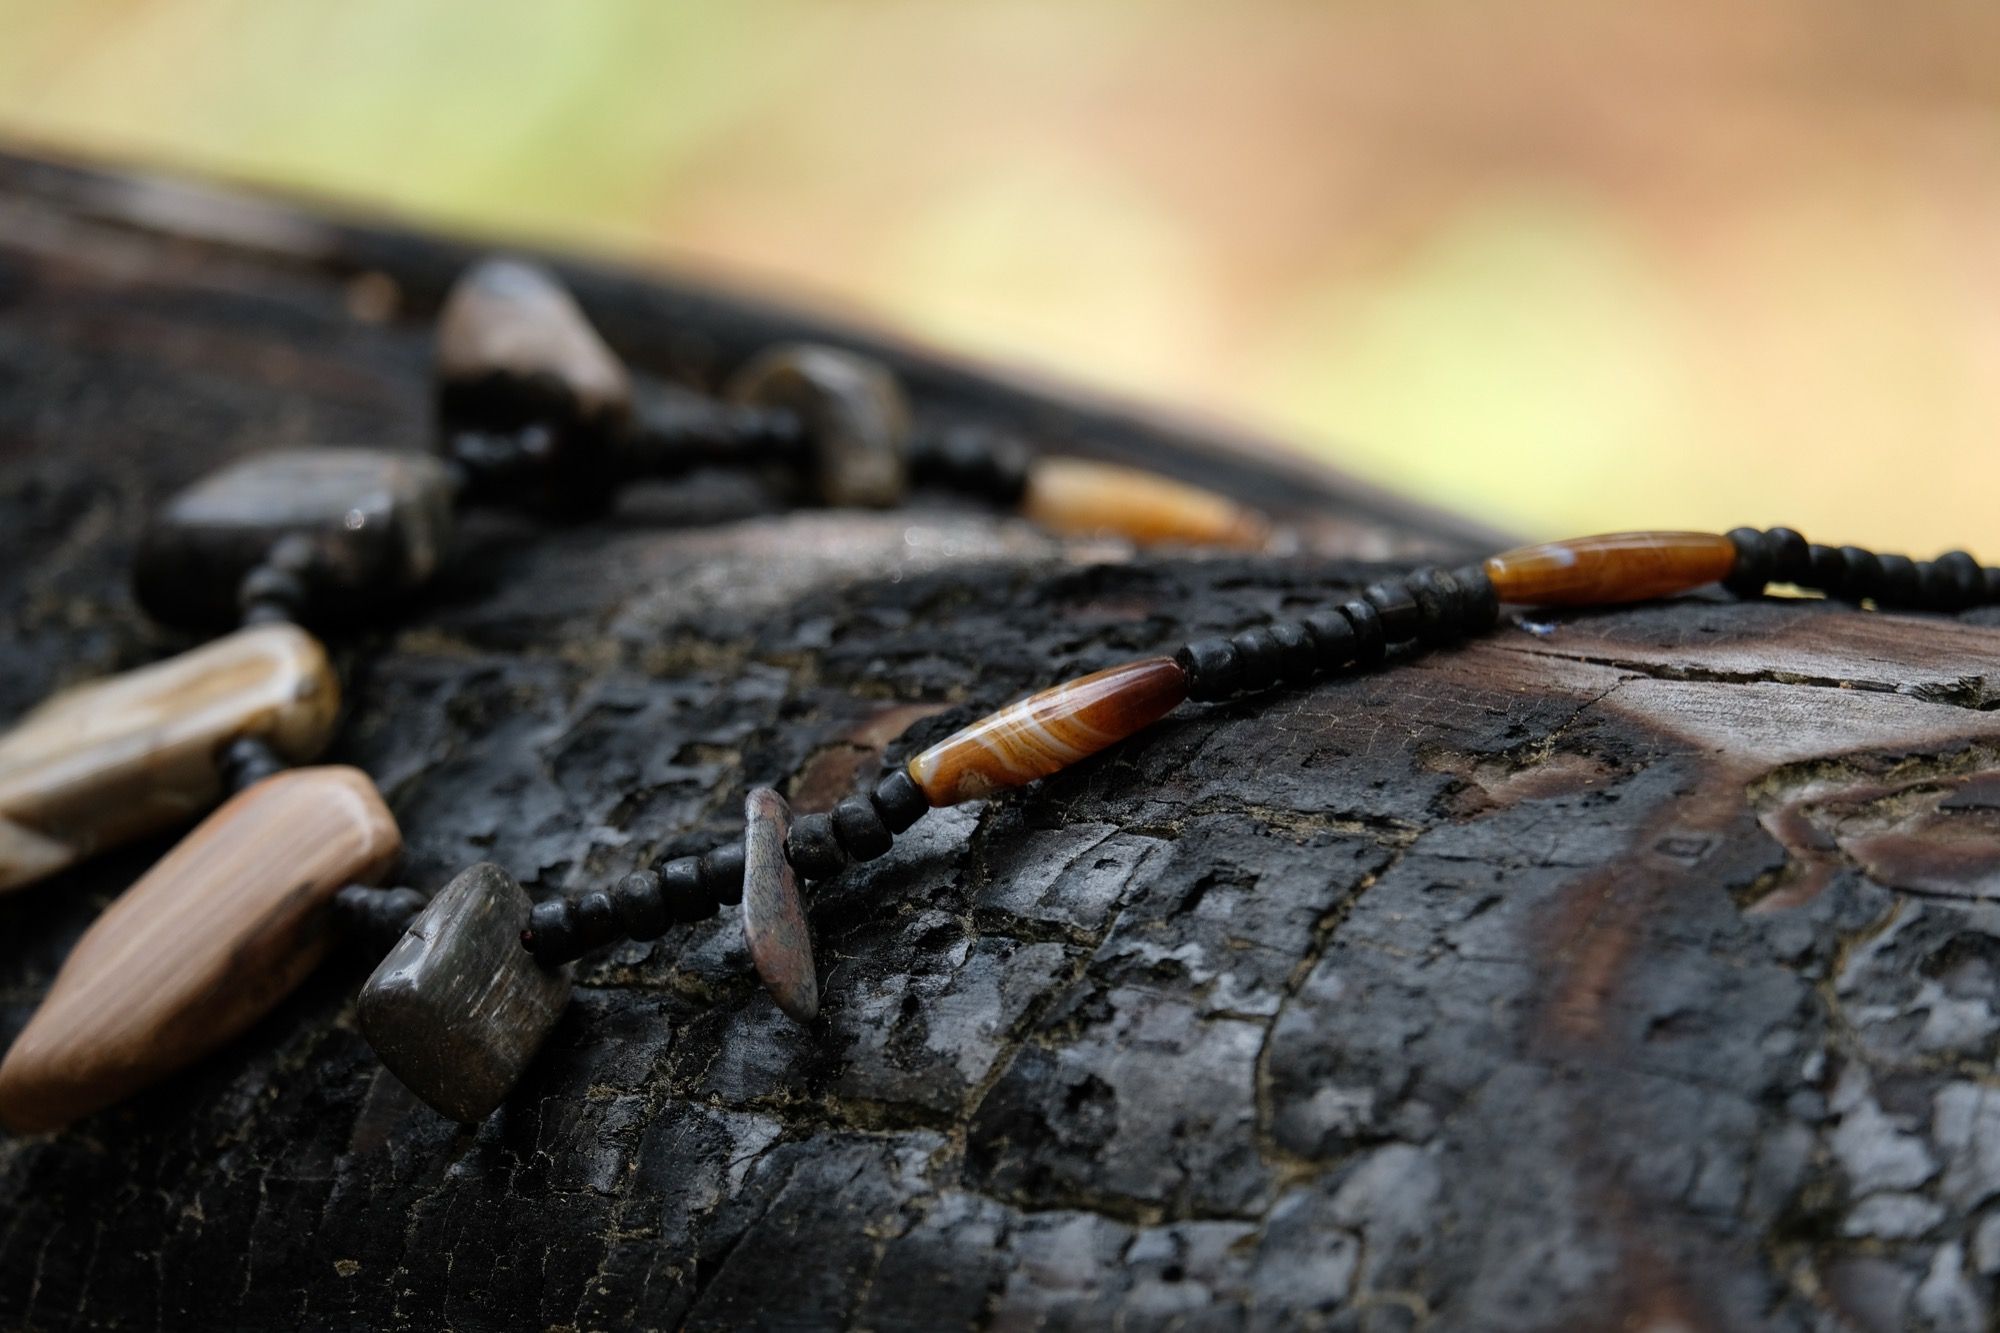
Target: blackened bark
1625	970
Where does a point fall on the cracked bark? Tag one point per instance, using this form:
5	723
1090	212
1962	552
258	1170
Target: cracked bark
1618	970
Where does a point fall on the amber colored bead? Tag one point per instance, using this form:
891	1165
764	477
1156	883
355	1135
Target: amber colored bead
1077	497
1047	732
1618	567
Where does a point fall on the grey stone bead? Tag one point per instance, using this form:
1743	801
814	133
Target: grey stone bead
362	524
459	1008
857	421
774	918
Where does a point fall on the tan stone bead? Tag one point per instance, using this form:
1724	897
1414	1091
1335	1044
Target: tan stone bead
1616	567
1049	731
509	319
114	759
201	947
1074	496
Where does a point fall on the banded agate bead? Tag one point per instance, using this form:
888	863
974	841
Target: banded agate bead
115	759
1077	497
1047	732
1616	567
205	944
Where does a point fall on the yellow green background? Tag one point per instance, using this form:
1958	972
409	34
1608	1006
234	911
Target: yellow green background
1560	264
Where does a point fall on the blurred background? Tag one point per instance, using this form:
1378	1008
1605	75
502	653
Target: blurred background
1559	264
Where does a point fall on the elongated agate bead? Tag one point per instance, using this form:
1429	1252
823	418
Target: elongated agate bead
1076	496
1049	731
1616	567
122	757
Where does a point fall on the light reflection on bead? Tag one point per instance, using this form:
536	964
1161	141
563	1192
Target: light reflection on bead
1616	567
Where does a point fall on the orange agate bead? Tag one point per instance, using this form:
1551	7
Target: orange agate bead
1078	497
1617	567
1049	731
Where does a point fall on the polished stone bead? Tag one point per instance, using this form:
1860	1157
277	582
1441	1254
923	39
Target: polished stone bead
861	832
1047	732
1371	644
458	1008
682	892
115	759
1257	657
551	931
857	421
774	918
899	800
1332	638
1480	602
369	524
812	848
1396	607
1296	651
1901	585
208	940
642	912
722	873
1078	497
1791	555
1616	567
510	328
1213	668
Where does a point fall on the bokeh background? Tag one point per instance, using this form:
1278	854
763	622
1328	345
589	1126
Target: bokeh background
1560	264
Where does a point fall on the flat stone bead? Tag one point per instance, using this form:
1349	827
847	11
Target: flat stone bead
856	419
115	759
1047	732
375	523
458	1008
1617	567
1077	497
205	944
506	320
774	918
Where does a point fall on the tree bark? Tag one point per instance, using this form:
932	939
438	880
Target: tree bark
1620	970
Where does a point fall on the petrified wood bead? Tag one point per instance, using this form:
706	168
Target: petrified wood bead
458	1008
510	327
1049	731
208	940
856	419
114	759
363	523
774	919
1616	567
1079	497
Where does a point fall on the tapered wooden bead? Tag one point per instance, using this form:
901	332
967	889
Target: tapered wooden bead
1617	567
458	1008
208	940
115	759
774	918
1049	731
1079	497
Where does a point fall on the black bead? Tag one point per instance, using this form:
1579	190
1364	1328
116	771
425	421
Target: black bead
1863	578
1297	655
1829	571
1437	606
722	874
551	934
681	890
642	912
1991	576
899	800
269	593
248	760
1901	585
1961	578
1476	594
1791	556
812	849
1333	639
596	919
1370	642
1257	656
399	907
1753	563
1213	668
1397	606
861	832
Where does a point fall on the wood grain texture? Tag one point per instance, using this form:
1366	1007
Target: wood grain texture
115	759
1614	567
201	947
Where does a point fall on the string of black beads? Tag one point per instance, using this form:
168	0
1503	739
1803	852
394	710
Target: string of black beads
1430	608
1952	582
645	904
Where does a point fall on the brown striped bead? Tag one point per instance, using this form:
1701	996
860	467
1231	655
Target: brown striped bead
1077	497
1049	731
1617	567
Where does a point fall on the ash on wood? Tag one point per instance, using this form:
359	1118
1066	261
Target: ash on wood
1621	970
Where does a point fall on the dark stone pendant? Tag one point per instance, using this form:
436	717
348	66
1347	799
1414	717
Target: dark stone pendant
459	1008
774	920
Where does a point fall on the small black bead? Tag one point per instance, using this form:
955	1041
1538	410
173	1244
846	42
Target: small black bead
1297	653
1791	555
551	933
1333	639
248	760
1962	579
1214	669
899	800
1863	578
1481	602
722	874
596	919
1900	585
1829	571
1006	479
1397	606
1437	606
812	849
1257	655
1991	577
861	832
642	912
1370	643
272	593
681	890
399	907
1754	563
